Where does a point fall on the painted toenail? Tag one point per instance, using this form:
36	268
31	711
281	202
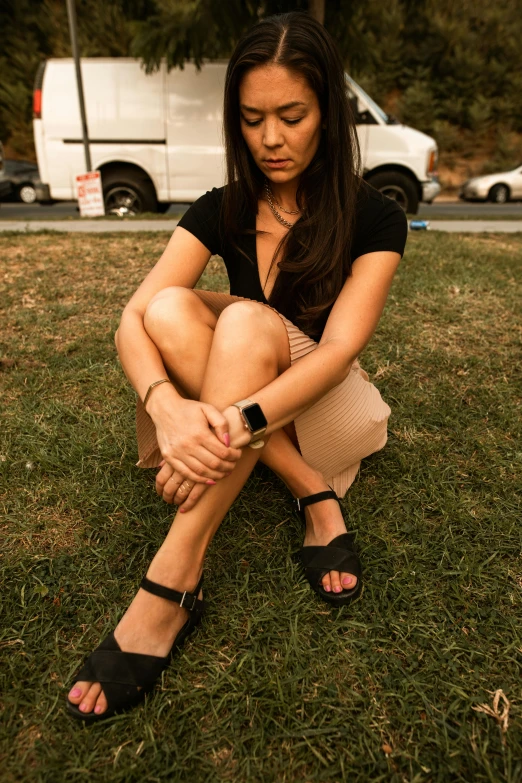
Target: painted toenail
83	707
97	709
347	581
327	588
338	589
75	692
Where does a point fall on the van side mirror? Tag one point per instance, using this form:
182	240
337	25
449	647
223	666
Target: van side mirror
365	118
361	117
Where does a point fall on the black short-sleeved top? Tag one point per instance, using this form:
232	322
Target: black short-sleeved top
380	224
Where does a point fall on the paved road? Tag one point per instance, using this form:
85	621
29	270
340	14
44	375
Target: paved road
67	209
61	211
103	226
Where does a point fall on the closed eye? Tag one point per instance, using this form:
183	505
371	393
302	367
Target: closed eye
254	123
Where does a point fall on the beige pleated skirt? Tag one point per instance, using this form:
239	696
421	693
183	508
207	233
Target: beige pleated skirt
335	434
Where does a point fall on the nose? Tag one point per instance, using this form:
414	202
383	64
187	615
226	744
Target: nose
272	136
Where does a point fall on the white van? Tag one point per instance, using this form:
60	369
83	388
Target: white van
156	139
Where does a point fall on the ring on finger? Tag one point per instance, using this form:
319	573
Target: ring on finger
185	486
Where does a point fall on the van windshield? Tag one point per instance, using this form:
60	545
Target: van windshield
376	108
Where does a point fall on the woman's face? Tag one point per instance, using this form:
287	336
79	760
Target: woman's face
280	121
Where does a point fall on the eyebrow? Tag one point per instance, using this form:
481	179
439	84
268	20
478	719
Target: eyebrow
290	105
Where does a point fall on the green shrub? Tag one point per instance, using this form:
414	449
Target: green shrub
417	107
449	137
480	114
507	153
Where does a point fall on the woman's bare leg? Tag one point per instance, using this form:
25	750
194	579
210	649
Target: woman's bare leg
237	365
182	327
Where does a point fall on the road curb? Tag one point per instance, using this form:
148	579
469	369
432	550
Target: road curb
110	226
475	226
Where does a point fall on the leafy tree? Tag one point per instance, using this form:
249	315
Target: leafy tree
180	30
33	30
448	67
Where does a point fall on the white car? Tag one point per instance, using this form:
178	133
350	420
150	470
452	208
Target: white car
499	188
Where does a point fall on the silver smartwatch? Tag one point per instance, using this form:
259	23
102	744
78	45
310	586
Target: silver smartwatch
254	420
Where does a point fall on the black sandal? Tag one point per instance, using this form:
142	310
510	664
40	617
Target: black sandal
338	555
127	677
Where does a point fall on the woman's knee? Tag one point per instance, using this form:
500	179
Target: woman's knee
175	308
255	327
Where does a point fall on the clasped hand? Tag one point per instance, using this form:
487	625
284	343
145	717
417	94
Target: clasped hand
194	440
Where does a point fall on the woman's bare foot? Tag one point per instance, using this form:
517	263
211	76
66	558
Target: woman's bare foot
324	521
149	626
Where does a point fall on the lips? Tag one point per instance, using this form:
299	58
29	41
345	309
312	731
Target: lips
277	163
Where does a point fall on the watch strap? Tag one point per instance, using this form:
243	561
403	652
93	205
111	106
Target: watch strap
243	403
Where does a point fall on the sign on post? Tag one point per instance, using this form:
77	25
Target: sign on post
90	194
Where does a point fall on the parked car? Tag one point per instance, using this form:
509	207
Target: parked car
22	176
5	185
156	138
499	188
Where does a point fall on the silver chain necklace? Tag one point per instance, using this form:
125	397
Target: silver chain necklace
270	198
280	206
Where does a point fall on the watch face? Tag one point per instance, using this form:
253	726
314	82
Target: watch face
255	417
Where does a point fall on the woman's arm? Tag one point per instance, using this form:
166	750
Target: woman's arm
351	323
176	418
182	264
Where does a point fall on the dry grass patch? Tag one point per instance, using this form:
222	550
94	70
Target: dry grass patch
46	531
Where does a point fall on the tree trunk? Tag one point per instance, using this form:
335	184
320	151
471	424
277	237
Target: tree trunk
316	8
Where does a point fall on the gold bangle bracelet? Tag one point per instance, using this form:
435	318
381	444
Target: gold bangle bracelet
156	383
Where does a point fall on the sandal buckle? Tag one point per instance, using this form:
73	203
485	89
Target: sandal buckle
184	605
298	502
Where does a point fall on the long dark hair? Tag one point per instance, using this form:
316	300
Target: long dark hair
315	253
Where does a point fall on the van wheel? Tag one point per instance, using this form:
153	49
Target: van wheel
499	194
128	193
398	187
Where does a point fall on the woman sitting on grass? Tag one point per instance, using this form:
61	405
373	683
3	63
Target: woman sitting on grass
268	372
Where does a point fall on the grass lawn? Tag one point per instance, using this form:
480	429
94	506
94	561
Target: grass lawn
275	685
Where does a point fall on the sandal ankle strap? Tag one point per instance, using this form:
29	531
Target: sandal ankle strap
302	503
189	601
